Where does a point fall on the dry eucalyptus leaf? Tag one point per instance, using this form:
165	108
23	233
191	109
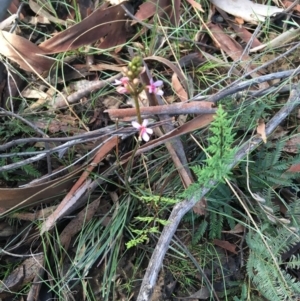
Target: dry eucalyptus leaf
261	130
238	228
247	10
25	53
108	24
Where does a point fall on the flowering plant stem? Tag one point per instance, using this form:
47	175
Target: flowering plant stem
137	106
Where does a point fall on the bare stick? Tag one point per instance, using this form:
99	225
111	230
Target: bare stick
36	129
247	84
183	207
194	107
76	96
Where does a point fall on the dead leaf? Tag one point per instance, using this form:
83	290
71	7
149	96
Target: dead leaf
293	144
294	168
179	90
165	9
108	24
196	5
247	10
239	228
146	10
239	20
246	35
200	207
12	198
102	66
287	4
234	50
229	45
225	245
29	56
261	130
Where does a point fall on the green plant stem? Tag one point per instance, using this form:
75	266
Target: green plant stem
137	106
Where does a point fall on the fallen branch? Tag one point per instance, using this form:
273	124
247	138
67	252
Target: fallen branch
183	207
60	101
240	86
194	107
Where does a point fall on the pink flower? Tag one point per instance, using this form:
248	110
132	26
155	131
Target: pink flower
153	87
123	82
144	131
122	90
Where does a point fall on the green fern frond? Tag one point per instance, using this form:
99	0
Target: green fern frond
272	167
220	153
215	225
293	212
200	232
249	113
273	283
294	262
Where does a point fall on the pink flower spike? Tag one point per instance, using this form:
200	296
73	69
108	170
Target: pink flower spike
144	131
154	85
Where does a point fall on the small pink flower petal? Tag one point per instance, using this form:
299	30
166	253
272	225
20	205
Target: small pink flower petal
121	90
158	83
145	137
150	88
149	131
135	125
159	92
117	82
153	87
122	81
144	132
145	122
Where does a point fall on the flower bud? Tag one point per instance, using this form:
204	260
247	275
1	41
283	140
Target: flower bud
136	81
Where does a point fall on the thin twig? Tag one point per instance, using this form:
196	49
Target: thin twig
183	207
110	129
92	134
217	84
19	255
36	129
246	84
